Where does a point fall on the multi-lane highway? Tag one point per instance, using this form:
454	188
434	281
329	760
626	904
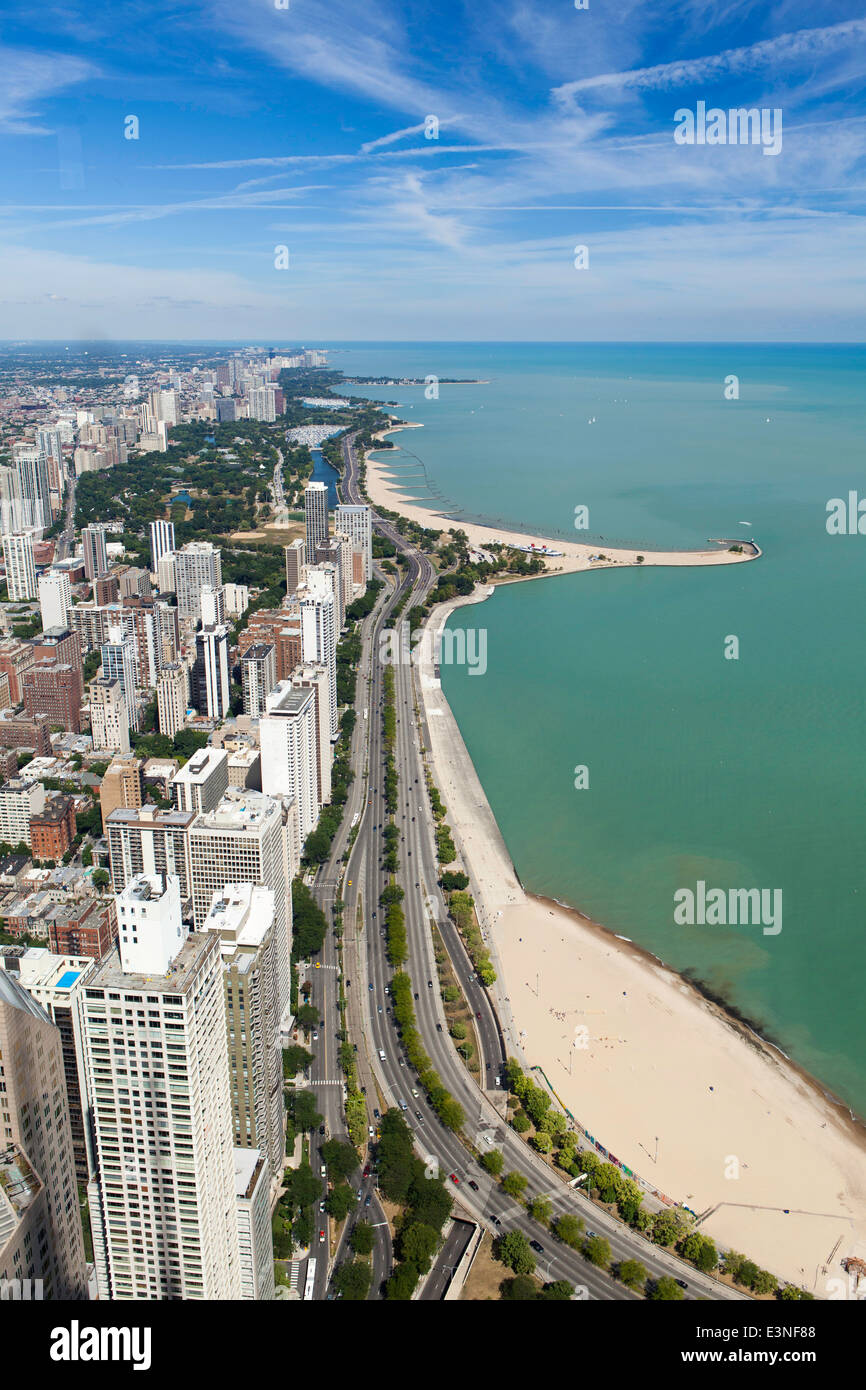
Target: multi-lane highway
390	1080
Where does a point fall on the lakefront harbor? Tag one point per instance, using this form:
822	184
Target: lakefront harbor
685	1095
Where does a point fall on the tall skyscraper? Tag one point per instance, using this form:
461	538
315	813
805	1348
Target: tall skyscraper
40	1228
319	633
109	716
314	676
316	514
95	551
118	663
55	598
213	605
289	752
161	541
196	565
258	677
33	486
356	522
296	564
163	1199
211	674
172	698
243	840
243	916
20	569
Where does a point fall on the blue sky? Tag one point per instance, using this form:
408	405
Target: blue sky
261	126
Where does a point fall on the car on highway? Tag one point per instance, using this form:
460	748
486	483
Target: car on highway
682	1283
438	1027
315	1037
323	1172
418	1115
321	1237
321	1129
429	984
371	984
417	996
473	1185
370	1131
454	1178
321	1206
414	1092
478	1013
536	1246
402	1104
495	1219
367	1200
367	1170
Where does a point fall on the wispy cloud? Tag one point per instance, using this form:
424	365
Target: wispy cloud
785	50
28	79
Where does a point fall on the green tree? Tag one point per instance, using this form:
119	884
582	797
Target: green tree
418	1244
700	1250
569	1229
541	1209
764	1282
514	1184
492	1162
340	1201
514	1251
363	1238
352	1281
402	1283
522	1288
631	1273
304	1112
666	1290
339	1157
597	1250
520	1122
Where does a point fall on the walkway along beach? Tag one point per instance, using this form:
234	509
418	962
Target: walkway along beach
687	1097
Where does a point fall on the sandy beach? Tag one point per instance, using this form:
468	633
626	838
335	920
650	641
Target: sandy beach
696	1105
575	556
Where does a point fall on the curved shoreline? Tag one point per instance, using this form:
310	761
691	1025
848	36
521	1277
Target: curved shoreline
575	556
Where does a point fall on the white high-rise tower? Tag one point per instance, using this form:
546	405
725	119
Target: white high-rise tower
162	1201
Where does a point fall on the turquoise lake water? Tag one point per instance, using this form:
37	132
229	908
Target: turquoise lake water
747	773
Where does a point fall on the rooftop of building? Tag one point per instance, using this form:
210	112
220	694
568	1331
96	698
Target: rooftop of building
54	812
248	1166
36	967
239	809
288	699
242	913
179	977
151	815
201	765
244	757
258	652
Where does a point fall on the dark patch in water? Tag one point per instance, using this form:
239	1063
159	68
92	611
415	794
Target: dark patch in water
727	1007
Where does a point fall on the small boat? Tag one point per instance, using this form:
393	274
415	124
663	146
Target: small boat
744	523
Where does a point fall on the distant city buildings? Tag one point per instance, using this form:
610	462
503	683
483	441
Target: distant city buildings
55	598
172	698
109	716
315	514
119	664
20	567
95	551
211	673
161	541
356	522
196	565
258	677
